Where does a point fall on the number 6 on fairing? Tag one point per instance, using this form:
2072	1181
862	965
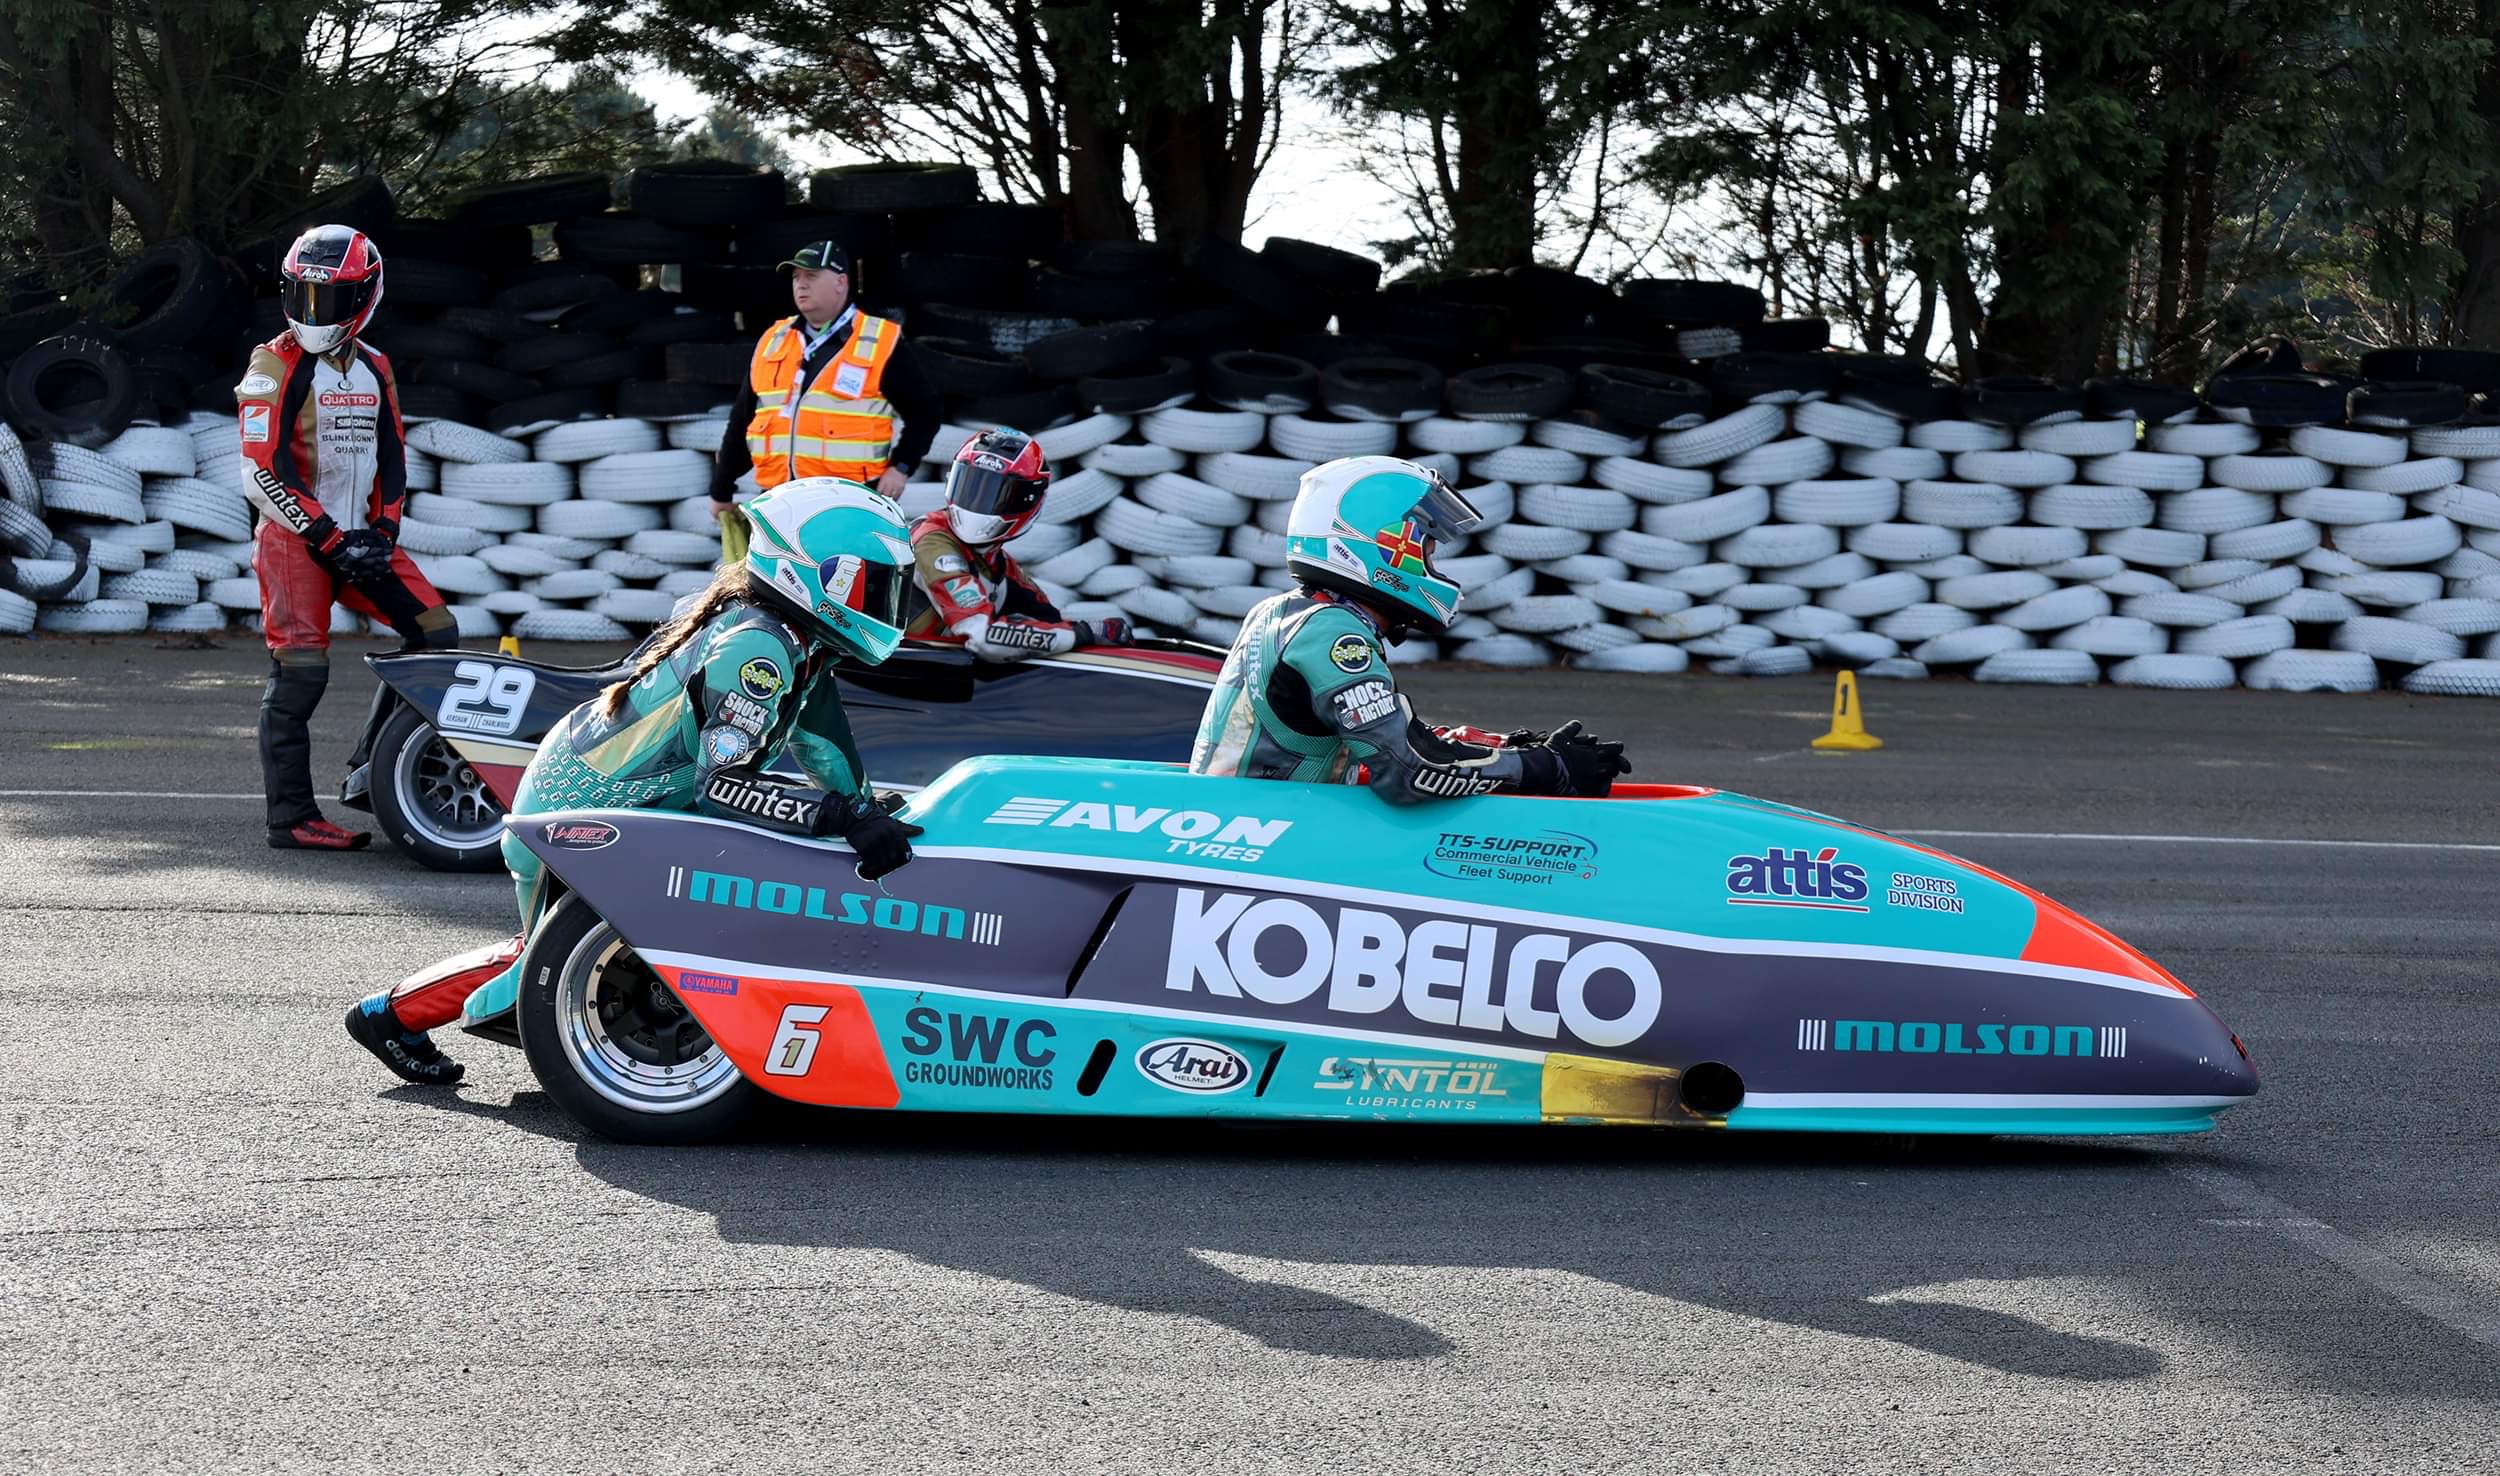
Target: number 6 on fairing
794	1044
486	698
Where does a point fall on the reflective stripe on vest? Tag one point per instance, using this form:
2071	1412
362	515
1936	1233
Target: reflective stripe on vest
839	424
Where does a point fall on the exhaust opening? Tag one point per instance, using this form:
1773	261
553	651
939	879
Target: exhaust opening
1710	1089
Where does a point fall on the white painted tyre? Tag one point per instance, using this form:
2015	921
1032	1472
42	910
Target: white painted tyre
589	440
1189	498
1504	650
459	512
1879	594
2471	506
670	546
1136	528
1581	568
1900	543
2385	589
1460	437
2152	548
2180	610
1204	430
154	450
1544	614
2079	438
646	476
2312	607
2202	438
1585	509
2152	471
1649	551
1308	438
1720	440
1523	464
1199	571
2270	582
2084	505
1853	502
1897	668
1776	463
1895	464
1530	543
520	561
2340	447
2405	478
421	537
2287	538
2059	609
1078	495
2401	544
2113	635
1956	436
605	522
1994	590
1692	624
1260	478
1847	425
2051	668
152	587
94	617
2277	472
1703	581
1086	433
1650	482
2215	510
1828	572
1971	646
1914	623
2311	671
2249	635
1960	504
569	625
2398	642
2017	469
2458	678
1773	661
88	500
1131	459
1647	658
466	444
2344	507
2459	615
1806	623
1630	597
2175	672
1499	591
1710	519
1858	647
1774	545
510	484
1754	597
2020	547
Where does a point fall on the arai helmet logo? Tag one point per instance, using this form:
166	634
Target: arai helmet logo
1181	1064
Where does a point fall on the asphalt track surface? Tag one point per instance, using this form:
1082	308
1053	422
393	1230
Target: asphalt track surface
229	1241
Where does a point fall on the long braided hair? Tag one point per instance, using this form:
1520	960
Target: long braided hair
729	586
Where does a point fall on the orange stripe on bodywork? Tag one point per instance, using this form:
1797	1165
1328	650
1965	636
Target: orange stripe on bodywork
2060	936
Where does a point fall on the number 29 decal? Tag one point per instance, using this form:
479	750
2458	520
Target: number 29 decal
486	698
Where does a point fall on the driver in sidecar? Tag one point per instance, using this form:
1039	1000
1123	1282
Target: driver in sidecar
734	678
970	589
1307	692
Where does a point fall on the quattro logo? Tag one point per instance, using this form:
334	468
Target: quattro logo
856	909
1442	973
1952	1038
1798	878
955	1050
1188	832
1199	1066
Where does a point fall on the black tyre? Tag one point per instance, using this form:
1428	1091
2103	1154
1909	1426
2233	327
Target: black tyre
613	316
705	192
1441	325
1337	273
77	388
613	367
1375	388
2020	399
361	204
166	296
540	293
556	404
1551	295
1902	390
697	327
2280	401
963	368
1786	335
1105	299
709	363
1032	412
616	239
997	228
429	802
1692	303
1247	379
967	281
1066	356
406	342
423	283
1261	283
1577	352
436	402
1138	388
1196	332
539	201
2273	354
2476	370
1743	377
2136	399
660	399
485	248
537	355
770	242
1114	258
893	186
484	381
736	289
613	1045
2403	404
491	324
1641	397
1509	392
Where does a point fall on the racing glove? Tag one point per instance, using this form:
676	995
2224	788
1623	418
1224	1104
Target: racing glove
360	556
1567	761
882	841
1109	631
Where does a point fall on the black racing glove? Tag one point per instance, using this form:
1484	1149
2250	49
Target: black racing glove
1110	631
361	556
882	841
1567	762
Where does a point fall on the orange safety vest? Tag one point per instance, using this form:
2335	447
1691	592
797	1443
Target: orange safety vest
838	426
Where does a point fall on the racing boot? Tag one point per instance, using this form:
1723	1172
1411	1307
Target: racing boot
317	834
410	1054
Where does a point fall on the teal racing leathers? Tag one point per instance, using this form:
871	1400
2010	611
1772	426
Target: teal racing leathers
1307	694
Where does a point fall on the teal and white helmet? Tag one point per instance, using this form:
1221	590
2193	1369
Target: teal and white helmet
1366	527
836	557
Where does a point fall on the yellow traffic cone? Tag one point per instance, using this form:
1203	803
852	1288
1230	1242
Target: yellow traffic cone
509	645
1848	734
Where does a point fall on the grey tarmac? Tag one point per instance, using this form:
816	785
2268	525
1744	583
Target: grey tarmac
230	1241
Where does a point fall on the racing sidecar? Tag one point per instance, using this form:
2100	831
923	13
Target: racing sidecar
1121	938
451	731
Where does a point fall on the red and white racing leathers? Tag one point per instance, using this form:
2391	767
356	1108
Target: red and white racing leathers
984	601
324	454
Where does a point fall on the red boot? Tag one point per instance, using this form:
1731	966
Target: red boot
317	834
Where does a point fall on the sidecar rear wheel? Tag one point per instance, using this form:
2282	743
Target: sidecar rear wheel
613	1045
430	802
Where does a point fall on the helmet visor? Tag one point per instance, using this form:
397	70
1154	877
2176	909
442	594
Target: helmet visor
1444	514
865	588
326	304
993	493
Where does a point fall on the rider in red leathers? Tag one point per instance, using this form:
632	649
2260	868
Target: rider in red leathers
971	589
325	464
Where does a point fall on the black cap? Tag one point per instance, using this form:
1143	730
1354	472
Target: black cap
825	256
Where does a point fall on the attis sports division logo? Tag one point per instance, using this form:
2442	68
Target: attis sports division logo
579	835
1798	878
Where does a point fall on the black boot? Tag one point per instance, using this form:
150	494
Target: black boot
286	709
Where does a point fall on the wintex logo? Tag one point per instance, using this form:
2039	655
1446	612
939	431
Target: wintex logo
1816	880
1200	833
1952	1038
851	909
1442	972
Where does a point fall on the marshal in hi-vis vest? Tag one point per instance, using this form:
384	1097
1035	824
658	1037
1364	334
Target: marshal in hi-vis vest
838	426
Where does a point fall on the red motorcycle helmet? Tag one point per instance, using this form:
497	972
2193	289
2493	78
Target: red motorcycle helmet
331	283
994	490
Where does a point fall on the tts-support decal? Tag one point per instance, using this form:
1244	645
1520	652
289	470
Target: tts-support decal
1529	859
